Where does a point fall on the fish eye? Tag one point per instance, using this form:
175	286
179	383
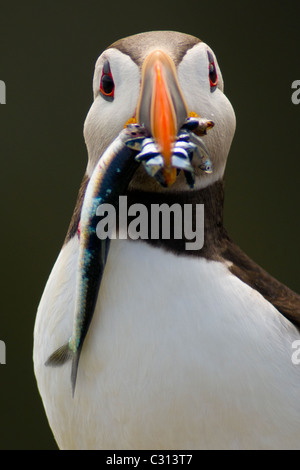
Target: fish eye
212	72
107	85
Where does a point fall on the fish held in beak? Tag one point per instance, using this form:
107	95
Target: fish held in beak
161	108
174	133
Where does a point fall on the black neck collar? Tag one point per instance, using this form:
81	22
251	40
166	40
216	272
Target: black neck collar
212	197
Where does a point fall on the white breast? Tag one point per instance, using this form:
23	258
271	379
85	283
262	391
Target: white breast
180	355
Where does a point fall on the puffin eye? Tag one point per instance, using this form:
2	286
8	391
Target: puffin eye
212	72
107	85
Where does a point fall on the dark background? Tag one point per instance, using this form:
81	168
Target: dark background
47	54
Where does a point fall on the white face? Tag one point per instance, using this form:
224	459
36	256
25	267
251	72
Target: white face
107	117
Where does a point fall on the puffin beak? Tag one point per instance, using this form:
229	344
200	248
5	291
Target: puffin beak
161	107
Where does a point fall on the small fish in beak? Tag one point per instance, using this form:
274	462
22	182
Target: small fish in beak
161	108
174	132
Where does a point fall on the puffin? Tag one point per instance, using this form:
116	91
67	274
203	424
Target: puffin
181	348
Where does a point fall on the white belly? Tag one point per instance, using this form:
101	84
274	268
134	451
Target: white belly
180	355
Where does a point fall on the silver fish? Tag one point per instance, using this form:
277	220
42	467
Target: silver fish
186	145
109	180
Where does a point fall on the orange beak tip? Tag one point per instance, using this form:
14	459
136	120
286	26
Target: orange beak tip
170	175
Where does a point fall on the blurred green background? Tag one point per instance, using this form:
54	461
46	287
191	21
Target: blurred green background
47	54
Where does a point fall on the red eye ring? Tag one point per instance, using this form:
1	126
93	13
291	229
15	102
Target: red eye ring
212	71
107	85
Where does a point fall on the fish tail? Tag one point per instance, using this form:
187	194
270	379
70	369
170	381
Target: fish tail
63	355
60	356
75	361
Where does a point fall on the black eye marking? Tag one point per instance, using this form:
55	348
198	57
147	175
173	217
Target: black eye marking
212	72
107	85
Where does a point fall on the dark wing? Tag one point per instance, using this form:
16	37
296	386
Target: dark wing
72	230
279	295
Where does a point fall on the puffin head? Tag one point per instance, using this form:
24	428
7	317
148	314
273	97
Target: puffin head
159	79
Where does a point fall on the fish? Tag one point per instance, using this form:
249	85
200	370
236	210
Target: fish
109	180
188	142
